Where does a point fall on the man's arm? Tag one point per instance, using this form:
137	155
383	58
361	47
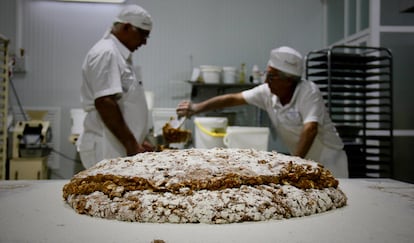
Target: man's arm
308	134
113	119
186	108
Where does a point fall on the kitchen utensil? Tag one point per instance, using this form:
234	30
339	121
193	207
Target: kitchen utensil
177	122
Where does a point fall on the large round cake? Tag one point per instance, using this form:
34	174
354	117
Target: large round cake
204	186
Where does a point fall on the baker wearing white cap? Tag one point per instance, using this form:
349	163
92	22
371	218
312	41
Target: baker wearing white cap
295	107
112	91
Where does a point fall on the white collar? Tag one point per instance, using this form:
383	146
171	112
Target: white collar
125	53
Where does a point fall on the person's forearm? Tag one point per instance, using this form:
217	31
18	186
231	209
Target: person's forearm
308	134
113	119
219	102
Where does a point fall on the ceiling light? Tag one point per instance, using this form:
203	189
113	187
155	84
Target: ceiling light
94	1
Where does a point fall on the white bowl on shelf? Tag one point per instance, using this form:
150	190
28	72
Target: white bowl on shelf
210	74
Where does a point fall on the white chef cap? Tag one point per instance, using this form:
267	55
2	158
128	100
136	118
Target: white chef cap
135	15
287	60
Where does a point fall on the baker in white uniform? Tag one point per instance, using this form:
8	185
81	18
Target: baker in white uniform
295	107
112	92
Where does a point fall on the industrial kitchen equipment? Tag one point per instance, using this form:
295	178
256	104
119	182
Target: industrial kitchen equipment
4	102
30	147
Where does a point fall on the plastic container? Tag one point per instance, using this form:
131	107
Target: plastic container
209	132
229	75
210	74
247	137
256	74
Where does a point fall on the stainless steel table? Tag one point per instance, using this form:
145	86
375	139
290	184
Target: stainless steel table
378	210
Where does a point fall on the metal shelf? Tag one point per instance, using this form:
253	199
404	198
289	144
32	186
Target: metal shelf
356	83
4	94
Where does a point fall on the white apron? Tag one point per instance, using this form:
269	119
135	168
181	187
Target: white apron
289	125
135	111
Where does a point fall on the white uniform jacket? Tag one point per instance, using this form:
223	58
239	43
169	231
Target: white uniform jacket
108	70
306	105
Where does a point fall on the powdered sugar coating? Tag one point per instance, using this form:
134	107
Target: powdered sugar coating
204	185
217	159
212	207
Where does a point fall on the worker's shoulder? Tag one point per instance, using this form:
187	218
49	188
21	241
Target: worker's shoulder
103	47
308	86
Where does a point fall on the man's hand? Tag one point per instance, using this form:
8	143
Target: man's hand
147	146
185	108
308	134
137	148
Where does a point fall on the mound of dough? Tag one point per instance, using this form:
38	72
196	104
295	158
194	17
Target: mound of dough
204	186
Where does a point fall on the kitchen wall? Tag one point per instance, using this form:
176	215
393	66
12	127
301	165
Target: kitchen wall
398	36
56	36
402	47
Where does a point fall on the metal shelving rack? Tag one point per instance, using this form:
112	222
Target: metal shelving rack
356	83
4	98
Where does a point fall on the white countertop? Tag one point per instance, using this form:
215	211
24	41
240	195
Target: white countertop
378	210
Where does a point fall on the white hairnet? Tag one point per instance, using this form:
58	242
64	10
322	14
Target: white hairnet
287	60
135	15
